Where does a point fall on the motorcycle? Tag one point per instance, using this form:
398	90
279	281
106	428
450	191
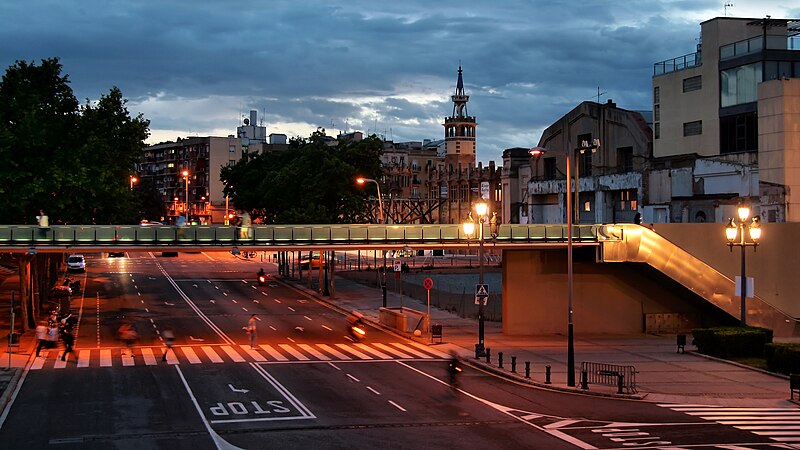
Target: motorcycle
358	331
262	278
453	369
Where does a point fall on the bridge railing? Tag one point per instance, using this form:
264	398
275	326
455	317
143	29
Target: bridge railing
21	236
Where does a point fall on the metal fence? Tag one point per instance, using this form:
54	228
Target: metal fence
609	375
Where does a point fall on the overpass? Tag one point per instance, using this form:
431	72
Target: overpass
606	272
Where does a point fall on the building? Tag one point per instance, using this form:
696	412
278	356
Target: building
612	178
725	124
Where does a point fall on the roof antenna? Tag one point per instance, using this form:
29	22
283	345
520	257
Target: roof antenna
727	4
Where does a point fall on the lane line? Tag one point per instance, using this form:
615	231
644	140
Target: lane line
397	406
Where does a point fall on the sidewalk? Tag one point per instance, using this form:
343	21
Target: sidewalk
662	374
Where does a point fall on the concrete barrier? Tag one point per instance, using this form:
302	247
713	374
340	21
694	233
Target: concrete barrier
405	320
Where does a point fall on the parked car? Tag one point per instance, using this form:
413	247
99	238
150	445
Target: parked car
316	261
76	263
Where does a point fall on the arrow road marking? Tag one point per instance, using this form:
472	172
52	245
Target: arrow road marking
243	391
168	303
196	339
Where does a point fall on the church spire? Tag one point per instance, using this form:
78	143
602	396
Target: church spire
459	98
459	130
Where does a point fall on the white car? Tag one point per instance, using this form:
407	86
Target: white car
76	263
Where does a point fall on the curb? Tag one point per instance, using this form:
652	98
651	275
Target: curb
734	363
6	395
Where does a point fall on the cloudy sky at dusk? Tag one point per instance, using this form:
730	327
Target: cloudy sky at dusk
195	68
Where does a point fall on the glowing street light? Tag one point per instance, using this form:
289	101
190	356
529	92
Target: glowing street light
133	180
361	180
734	230
185	174
481	208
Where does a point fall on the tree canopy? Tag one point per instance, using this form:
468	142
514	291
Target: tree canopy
311	182
72	160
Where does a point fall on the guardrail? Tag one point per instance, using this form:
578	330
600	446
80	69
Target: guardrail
130	236
624	377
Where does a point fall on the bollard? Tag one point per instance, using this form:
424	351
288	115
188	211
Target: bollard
527	369
584	380
488	356
514	364
620	383
500	359
547	374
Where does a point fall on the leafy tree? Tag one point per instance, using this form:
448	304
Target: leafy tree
311	182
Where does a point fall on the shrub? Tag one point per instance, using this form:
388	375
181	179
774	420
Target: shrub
727	342
783	358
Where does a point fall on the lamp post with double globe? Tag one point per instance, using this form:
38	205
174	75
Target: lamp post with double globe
734	230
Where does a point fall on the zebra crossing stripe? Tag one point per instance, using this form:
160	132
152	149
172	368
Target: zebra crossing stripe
430	350
290	350
274	353
353	351
377	353
127	360
233	354
105	358
147	354
59	363
84	356
189	353
314	352
388	349
334	352
407	349
39	362
252	353
212	355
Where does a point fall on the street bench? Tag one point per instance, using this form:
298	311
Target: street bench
624	377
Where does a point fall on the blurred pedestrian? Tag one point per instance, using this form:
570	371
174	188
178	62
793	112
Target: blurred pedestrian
52	336
169	339
69	339
252	331
44	223
41	337
244	225
127	333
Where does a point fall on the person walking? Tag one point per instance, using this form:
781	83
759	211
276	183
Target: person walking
41	337
69	339
244	225
252	331
127	334
169	339
44	223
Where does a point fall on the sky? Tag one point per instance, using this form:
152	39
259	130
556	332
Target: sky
196	68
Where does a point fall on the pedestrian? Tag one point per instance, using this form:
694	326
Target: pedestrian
44	223
69	339
251	331
41	337
169	338
244	225
52	337
127	334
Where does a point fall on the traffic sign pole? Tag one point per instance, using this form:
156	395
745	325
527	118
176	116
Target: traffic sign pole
428	285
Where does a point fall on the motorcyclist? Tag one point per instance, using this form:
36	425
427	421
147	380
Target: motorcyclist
453	369
261	276
355	327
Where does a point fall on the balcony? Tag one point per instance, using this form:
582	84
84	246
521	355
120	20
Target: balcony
676	64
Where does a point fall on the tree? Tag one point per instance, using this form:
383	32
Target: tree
311	182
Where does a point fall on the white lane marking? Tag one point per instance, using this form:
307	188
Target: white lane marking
314	352
353	351
276	300
253	354
373	390
147	354
274	353
408	349
333	351
84	357
290	350
388	349
127	359
397	406
39	362
218	441
334	366
291	309
273	328
308	318
233	354
212	355
59	363
189	353
327	328
430	350
377	353
353	378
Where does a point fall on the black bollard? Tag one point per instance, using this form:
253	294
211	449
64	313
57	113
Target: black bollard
547	374
584	380
514	364
488	356
620	383
527	369
500	359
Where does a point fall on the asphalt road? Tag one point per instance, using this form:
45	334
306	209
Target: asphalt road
305	385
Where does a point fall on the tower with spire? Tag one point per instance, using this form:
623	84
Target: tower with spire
459	131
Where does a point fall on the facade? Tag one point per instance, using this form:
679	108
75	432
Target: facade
720	120
612	181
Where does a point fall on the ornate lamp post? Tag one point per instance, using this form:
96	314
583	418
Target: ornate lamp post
185	174
481	208
734	230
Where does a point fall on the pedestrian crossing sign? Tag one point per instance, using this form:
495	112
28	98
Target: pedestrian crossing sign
481	293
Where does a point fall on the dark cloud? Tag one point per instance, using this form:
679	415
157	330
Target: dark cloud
390	67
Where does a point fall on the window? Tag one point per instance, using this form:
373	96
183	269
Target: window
463	189
693	128
738	133
549	168
656	95
738	85
625	159
585	156
657	130
656	113
627	200
692	84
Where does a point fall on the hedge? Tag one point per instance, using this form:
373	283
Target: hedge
783	358
727	342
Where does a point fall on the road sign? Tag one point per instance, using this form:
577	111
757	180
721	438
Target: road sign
427	284
481	293
485	190
398	265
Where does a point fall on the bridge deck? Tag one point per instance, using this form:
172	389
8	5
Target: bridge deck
20	238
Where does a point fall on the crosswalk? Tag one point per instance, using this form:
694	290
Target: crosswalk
218	354
777	424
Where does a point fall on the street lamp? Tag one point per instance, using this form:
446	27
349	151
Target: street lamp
731	231
133	180
362	180
185	174
481	208
584	147
537	152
